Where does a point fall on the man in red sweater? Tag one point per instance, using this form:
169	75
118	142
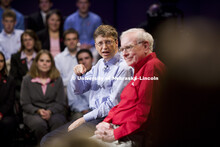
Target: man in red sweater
131	115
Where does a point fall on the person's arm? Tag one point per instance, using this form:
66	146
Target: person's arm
60	101
77	103
113	98
144	93
80	84
25	97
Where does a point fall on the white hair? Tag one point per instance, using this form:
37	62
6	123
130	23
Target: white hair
141	35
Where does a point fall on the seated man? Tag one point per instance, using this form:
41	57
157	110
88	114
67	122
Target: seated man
131	115
79	104
101	81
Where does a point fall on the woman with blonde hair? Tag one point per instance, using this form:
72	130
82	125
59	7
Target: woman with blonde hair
42	96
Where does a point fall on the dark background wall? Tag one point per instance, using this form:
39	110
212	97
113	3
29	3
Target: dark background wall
124	14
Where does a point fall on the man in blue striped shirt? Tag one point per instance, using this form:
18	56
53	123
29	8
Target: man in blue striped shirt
101	81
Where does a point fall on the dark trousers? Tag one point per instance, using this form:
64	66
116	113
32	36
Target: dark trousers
7	130
88	128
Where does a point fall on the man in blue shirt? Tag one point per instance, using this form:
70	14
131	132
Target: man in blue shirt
105	81
6	4
9	37
79	104
85	22
66	60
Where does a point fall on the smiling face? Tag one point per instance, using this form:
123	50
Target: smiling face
44	63
54	22
137	51
107	47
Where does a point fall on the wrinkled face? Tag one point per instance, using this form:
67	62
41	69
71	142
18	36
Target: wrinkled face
71	41
28	42
83	6
107	47
45	5
44	63
133	51
85	59
54	22
9	24
1	62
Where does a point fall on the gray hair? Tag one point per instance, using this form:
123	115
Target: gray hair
141	35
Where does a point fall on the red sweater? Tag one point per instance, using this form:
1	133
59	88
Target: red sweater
132	112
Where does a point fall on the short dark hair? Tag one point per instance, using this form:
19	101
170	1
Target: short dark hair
4	70
70	31
83	51
9	13
106	31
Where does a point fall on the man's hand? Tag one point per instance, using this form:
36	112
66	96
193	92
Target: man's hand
105	132
79	69
76	124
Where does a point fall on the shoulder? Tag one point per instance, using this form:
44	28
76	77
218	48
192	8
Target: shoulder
71	16
27	78
34	15
18	14
16	55
42	33
95	16
18	32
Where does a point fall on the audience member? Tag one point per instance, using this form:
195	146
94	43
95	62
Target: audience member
51	37
9	37
7	118
37	20
42	96
66	60
79	104
21	61
132	114
101	80
5	5
85	22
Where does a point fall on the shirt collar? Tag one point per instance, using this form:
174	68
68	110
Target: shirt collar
139	64
66	52
5	34
80	16
23	55
113	60
37	80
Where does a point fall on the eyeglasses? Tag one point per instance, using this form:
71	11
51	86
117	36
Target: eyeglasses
106	42
129	48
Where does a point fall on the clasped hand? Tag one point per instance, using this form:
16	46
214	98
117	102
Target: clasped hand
105	131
